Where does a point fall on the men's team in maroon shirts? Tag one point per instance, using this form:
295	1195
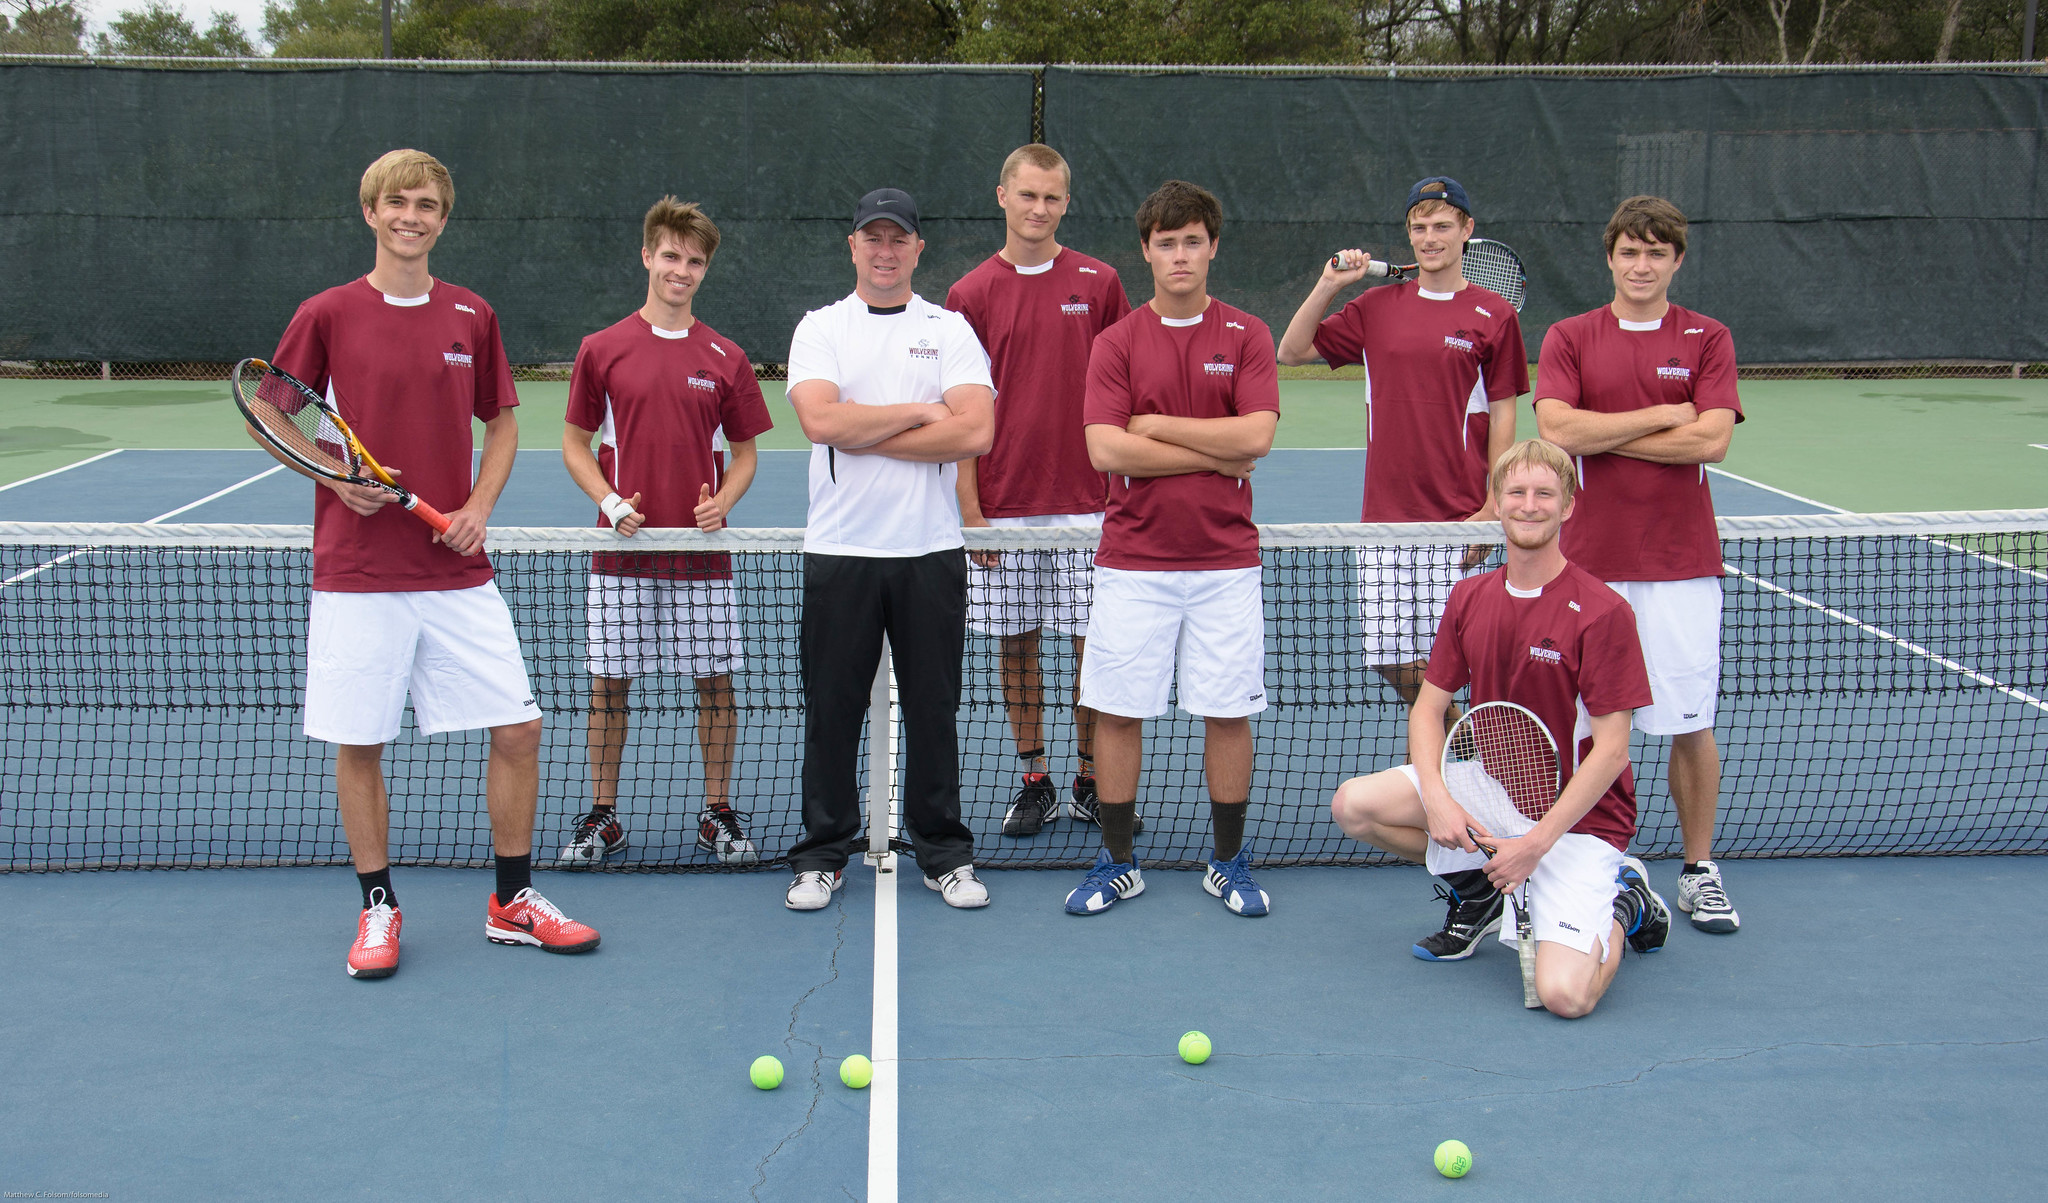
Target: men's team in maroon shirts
397	609
664	394
1546	635
1037	307
1643	393
1183	398
1444	363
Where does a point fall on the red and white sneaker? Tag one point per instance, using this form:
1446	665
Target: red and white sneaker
531	919
375	952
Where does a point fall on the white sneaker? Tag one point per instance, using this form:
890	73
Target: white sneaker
1702	896
813	889
960	888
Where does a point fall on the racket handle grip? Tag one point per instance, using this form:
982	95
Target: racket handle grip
1378	267
427	514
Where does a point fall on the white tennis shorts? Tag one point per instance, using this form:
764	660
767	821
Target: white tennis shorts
1211	623
453	650
1401	596
1034	590
638	625
1679	624
1571	894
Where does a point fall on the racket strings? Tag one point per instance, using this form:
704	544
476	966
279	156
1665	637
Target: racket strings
302	425
1513	750
1494	267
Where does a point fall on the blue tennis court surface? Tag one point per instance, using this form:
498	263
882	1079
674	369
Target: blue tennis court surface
1874	1031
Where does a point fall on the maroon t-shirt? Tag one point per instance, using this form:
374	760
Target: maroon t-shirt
1433	365
1566	654
660	406
1218	365
407	379
1634	520
1038	325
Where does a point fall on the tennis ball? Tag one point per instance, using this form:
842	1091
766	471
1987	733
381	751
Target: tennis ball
857	1071
1194	1048
1453	1159
767	1073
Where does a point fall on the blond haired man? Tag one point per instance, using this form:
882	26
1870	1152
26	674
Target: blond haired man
1586	894
396	609
1036	306
665	396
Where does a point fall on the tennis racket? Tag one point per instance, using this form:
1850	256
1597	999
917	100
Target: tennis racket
308	431
1500	764
1488	264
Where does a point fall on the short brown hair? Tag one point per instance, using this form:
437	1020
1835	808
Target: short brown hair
1038	155
1647	219
683	222
397	170
1535	453
1178	203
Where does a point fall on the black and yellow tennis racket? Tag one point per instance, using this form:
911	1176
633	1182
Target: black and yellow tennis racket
310	432
1487	263
1500	764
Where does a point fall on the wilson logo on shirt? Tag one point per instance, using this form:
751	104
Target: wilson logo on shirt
1461	341
1545	650
459	356
1696	330
1075	307
704	380
1482	311
1091	271
1216	367
1672	371
924	350
466	309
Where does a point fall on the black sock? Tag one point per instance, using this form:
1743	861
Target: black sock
515	873
380	880
1470	885
603	809
1116	820
1692	867
1226	819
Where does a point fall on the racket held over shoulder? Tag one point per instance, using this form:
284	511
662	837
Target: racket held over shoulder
1500	765
310	432
1487	263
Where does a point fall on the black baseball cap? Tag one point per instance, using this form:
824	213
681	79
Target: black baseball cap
892	204
1439	187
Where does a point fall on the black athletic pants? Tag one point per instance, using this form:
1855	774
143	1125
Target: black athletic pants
849	602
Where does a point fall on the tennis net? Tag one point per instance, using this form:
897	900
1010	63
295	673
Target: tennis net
1882	692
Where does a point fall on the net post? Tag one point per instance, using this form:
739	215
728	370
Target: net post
106	369
881	766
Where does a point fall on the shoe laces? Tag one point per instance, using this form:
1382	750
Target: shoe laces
1102	873
531	898
1237	871
377	926
1461	912
1708	893
591	823
728	821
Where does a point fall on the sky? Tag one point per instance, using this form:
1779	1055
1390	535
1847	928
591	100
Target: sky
199	12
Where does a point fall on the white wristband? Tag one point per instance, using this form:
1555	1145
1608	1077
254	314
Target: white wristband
616	508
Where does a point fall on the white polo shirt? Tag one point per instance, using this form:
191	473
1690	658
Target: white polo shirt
871	505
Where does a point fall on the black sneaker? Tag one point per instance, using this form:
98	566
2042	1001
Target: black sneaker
1465	924
1036	804
1653	918
1084	805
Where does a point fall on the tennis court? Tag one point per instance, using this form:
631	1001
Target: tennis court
1872	1032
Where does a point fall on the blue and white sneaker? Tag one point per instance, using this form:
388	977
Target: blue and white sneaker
1107	884
1652	917
1231	880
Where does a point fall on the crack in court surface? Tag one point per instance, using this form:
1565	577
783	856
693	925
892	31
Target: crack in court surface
790	1039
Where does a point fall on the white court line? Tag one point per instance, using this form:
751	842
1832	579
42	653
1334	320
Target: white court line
882	1047
2040	446
1757	484
1888	637
54	471
68	556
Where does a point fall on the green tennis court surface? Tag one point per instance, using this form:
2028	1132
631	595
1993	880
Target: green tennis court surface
1861	445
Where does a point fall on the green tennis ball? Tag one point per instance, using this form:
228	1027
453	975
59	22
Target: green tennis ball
1194	1048
857	1071
766	1073
1453	1159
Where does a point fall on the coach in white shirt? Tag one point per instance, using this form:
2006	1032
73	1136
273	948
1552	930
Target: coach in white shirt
893	391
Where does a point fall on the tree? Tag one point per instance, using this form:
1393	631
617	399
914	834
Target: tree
41	28
327	28
159	30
